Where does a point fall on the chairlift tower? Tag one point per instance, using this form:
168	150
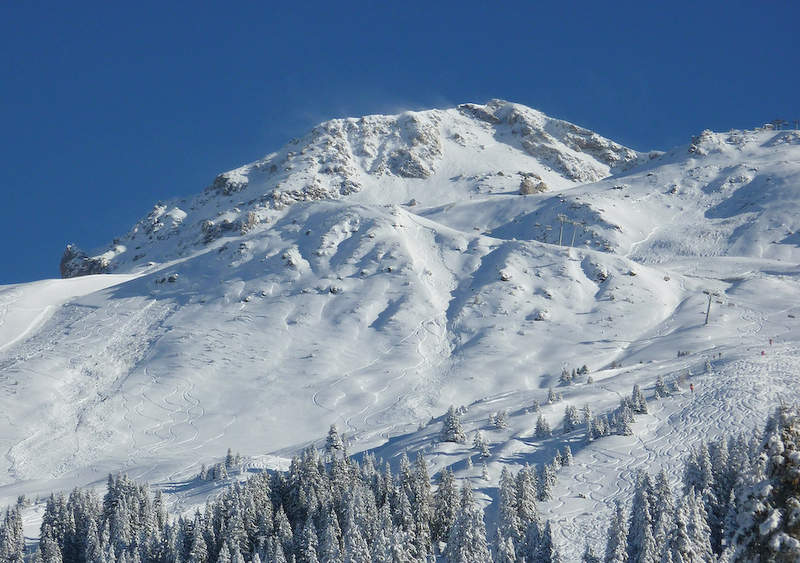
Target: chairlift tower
711	295
561	219
574	229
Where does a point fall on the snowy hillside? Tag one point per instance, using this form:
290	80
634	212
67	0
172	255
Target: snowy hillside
380	269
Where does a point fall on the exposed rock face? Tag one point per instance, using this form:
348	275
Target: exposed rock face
531	185
546	138
76	263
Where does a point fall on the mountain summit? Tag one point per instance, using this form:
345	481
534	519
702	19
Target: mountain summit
426	158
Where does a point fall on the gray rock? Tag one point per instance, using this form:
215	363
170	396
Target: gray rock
76	263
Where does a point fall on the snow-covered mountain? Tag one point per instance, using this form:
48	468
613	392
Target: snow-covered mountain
379	269
425	158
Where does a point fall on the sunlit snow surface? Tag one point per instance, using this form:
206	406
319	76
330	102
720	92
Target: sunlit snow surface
358	310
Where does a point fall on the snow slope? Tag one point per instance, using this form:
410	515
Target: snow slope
379	269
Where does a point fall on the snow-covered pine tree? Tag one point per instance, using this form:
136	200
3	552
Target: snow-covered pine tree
616	537
501	420
403	516
421	506
699	530
531	549
723	482
402	548
451	427
557	461
508	522
571	418
662	501
680	544
699	474
479	443
505	551
641	547
283	531
467	540
236	554
548	552
589	555
308	548
586	414
224	555
330	549
12	541
769	514
526	497
624	426
542	429
384	535
356	548
660	388
333	442
552	397
638	402
445	506
229	460
566	457
198	550
545	477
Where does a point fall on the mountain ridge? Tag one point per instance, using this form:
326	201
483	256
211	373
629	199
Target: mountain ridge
350	157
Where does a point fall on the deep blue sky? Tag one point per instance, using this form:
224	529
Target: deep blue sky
107	107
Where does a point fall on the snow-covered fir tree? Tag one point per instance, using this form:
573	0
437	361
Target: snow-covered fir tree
617	537
445	506
501	420
542	429
572	419
661	389
638	401
479	443
451	427
768	520
333	442
589	555
467	539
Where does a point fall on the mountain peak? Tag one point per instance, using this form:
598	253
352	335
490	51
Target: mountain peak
432	156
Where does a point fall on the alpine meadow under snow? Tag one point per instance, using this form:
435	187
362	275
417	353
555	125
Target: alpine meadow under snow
529	273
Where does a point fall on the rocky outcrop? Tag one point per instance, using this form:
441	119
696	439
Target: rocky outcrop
531	184
76	263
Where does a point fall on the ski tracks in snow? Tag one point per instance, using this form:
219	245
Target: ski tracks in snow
178	409
734	399
421	332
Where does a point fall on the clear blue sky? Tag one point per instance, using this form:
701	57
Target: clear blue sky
107	107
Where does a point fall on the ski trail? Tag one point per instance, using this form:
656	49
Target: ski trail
729	400
422	328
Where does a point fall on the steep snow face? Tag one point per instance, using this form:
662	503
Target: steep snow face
425	158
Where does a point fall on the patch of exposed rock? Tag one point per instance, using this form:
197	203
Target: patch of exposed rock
76	263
